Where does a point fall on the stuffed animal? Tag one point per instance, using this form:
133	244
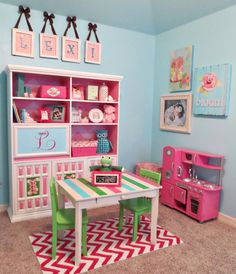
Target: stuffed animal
109	116
106	165
104	144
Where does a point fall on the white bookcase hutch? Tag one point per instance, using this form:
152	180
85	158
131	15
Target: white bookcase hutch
39	149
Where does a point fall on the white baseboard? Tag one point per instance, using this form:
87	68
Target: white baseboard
3	208
28	215
227	219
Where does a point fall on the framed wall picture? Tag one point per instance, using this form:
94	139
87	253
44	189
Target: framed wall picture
175	113
48	45
70	49
22	43
181	69
93	52
35	141
212	90
57	113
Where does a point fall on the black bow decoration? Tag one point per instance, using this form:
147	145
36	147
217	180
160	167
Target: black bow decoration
92	27
71	20
49	18
26	12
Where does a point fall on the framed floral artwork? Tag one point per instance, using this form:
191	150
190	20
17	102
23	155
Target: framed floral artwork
48	45
22	43
93	52
70	49
33	186
175	113
212	90
181	69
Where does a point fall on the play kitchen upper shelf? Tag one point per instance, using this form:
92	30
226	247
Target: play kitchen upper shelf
209	161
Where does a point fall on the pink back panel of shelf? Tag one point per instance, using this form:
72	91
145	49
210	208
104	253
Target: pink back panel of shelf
113	87
35	81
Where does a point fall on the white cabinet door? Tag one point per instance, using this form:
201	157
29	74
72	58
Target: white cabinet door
69	168
31	186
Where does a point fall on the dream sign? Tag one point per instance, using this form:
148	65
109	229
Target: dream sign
106	178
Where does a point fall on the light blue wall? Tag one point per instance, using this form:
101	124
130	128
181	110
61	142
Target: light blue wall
124	53
214	43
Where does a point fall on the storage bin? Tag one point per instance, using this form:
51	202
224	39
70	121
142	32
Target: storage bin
53	92
149	166
83	151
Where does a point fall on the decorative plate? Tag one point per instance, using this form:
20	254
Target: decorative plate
95	115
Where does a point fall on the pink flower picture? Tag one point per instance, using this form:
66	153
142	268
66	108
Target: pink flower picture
181	69
209	82
212	90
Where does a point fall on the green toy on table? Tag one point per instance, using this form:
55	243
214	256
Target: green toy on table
106	165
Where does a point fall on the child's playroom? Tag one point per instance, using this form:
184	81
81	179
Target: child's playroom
117	125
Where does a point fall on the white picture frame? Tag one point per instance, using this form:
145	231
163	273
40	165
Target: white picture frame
22	43
71	49
48	45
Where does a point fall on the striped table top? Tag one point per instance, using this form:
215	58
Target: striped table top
81	189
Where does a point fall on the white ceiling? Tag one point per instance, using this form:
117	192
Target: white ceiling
148	16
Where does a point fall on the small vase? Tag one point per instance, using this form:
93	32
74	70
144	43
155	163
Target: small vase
103	92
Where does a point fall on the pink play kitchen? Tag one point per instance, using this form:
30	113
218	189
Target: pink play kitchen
191	182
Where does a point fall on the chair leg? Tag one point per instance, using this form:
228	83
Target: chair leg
84	239
138	221
135	226
54	241
121	216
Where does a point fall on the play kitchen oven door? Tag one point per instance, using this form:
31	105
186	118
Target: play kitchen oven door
188	200
180	196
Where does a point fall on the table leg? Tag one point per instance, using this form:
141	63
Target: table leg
78	232
154	217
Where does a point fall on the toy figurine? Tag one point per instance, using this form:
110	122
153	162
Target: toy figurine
104	144
106	165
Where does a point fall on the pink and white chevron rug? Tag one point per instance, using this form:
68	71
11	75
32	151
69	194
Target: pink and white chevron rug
106	245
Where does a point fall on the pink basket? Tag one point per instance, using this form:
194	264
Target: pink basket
53	92
149	166
83	151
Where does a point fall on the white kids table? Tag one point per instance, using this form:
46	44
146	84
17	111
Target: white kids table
85	196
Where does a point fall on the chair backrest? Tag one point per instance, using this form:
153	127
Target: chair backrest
151	175
53	194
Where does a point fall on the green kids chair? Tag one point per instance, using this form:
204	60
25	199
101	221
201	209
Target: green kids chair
138	206
65	219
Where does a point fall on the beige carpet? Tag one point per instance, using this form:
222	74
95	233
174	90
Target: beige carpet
207	248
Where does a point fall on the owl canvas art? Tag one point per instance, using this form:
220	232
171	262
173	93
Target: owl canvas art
104	144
